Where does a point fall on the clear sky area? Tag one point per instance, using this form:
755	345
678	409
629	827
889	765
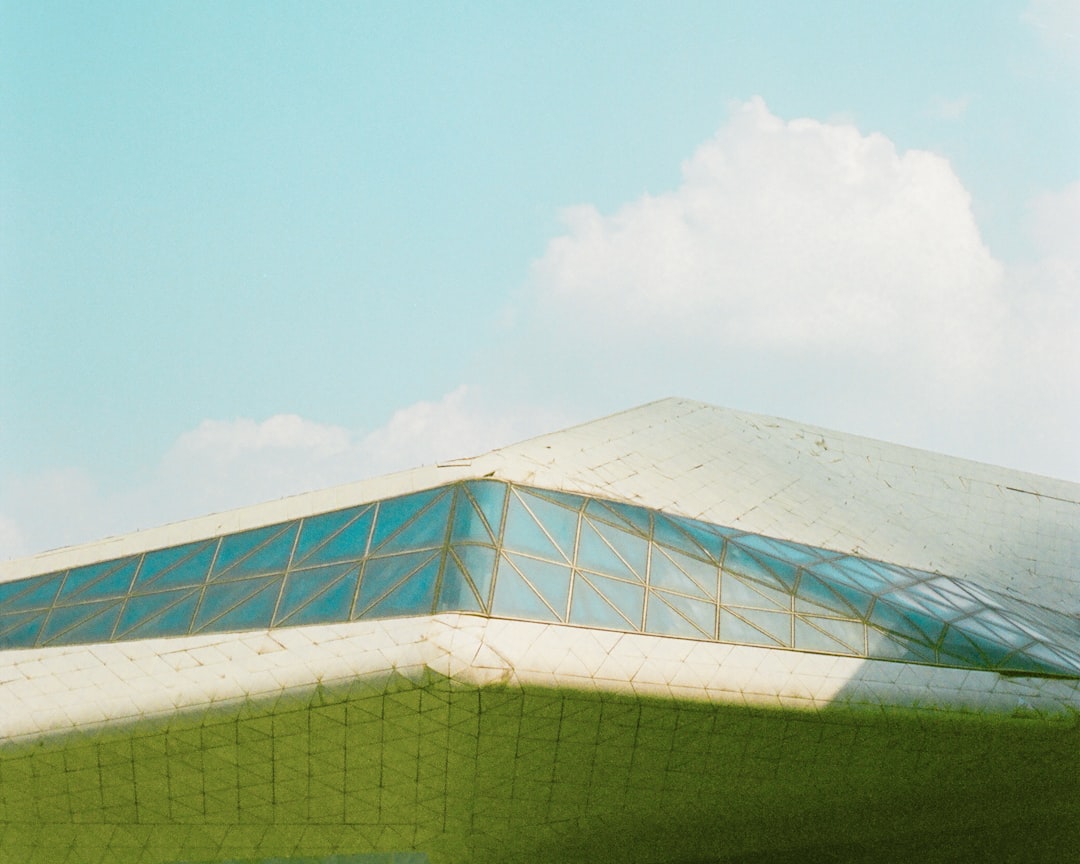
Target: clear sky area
251	249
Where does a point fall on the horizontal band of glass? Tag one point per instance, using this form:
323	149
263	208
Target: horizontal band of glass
507	550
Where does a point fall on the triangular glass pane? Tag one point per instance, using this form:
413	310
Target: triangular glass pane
524	534
24	595
590	609
677	572
154	615
516	598
468	525
855	572
622	516
334	537
842	599
238	605
479	563
762	568
551	581
595	551
710	537
791	553
105	581
318	595
743	592
776	624
1004	634
412	596
560	522
739	631
883	646
394	513
1052	659
566	500
177	567
830	635
87	622
427	530
490	498
627	597
701	614
20	630
661	618
382	574
456	594
667	531
981	653
255	553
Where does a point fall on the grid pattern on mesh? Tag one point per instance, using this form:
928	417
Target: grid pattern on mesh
514	551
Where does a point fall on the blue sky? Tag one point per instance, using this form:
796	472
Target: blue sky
248	249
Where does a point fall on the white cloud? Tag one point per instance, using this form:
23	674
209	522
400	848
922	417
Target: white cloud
809	270
793	235
222	464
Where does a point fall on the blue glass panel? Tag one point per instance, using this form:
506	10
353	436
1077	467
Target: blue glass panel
1003	634
1054	658
23	595
898	621
661	618
412	596
840	598
318	595
524	534
516	598
607	550
699	613
380	575
167	614
179	567
737	630
711	538
468	524
566	500
739	592
107	580
761	568
883	646
627	597
479	563
623	516
149	615
255	553
394	513
561	523
990	654
674	571
551	581
856	573
668	532
238	604
426	530
20	630
456	594
334	537
589	608
86	622
490	497
792	553
830	635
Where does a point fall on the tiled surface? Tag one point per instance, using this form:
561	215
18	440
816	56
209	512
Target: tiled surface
477	740
50	691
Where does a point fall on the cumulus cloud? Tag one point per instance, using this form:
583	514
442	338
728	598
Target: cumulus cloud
808	269
789	234
222	464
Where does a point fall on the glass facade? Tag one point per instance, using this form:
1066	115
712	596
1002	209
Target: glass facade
512	551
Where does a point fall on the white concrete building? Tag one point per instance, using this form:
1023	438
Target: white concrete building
677	634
